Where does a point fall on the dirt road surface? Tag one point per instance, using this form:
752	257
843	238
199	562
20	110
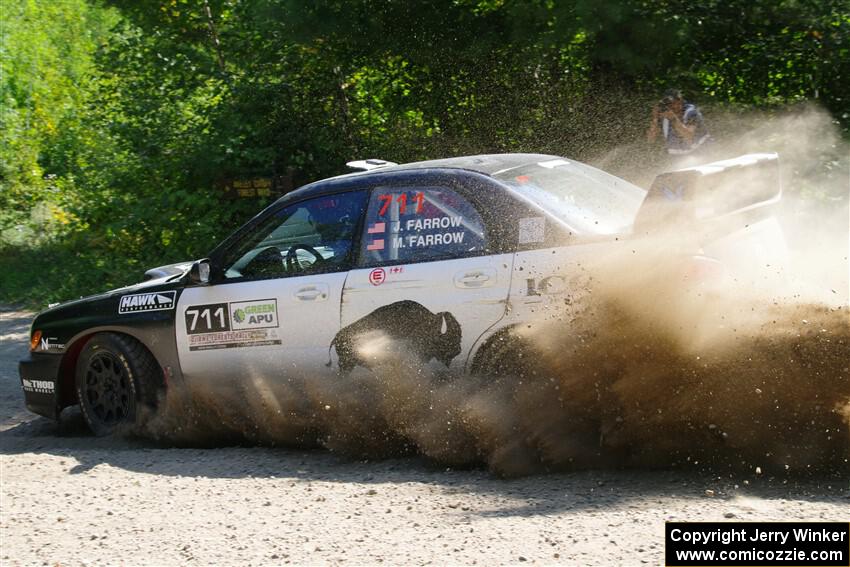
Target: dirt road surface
67	498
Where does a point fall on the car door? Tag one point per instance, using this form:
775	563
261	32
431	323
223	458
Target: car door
274	308
426	278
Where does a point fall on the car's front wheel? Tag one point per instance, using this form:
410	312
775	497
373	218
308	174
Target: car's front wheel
110	372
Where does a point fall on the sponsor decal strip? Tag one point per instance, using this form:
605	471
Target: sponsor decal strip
232	325
236	345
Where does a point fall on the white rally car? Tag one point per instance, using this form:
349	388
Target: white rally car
447	256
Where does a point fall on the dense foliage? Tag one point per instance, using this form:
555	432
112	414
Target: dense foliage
118	118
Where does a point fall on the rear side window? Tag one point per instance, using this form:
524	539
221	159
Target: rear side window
590	201
419	224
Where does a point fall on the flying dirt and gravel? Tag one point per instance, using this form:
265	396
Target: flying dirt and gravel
736	386
641	369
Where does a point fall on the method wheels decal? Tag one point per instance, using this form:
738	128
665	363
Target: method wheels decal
427	335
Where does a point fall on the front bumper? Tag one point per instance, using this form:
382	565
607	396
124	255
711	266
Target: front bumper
40	382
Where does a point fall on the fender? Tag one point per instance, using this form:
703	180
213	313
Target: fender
68	327
159	341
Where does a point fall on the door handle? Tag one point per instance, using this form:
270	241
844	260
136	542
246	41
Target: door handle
312	293
484	277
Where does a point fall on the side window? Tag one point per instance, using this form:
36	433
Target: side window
311	236
414	224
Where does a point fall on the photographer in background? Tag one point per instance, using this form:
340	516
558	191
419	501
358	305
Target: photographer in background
679	122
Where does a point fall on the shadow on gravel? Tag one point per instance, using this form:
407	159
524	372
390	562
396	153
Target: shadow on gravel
528	496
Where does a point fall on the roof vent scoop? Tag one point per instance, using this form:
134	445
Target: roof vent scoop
369	164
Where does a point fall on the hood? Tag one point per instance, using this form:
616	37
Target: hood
153	277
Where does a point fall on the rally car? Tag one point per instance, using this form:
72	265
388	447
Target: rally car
448	255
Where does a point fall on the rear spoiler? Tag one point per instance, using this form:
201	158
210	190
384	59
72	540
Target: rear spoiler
715	194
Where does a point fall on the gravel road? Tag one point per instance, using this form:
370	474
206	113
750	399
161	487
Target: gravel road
70	499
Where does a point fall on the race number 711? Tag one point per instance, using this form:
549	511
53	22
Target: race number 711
401	200
207	318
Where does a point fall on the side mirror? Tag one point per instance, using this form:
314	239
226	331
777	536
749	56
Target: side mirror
199	273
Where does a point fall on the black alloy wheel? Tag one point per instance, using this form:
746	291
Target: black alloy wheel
113	371
107	389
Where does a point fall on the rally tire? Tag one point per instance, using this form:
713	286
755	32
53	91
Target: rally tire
112	370
504	354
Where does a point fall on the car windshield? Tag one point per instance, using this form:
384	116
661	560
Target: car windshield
585	198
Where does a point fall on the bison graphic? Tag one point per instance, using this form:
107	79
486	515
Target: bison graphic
429	335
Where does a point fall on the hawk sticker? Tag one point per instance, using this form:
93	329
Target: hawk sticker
156	301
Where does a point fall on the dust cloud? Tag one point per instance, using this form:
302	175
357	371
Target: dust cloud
648	366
